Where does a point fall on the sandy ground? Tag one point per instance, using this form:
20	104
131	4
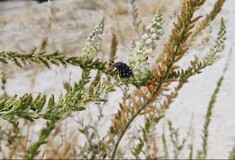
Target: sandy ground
24	25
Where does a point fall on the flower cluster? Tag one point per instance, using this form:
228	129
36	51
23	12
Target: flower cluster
92	45
143	52
218	47
154	29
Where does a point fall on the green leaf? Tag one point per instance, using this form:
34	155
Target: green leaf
80	109
2	102
43	60
40	104
3	61
18	106
138	148
51	102
55	62
17	63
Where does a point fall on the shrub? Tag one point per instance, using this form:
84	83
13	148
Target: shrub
156	82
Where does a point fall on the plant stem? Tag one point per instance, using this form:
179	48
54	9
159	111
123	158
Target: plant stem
132	119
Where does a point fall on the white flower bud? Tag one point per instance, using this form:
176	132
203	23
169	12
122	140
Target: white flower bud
158	19
149	27
100	31
148	41
159	23
154	23
153	36
159	31
152	30
145	36
148	52
137	44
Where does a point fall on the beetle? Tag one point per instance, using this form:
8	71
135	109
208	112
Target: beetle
123	69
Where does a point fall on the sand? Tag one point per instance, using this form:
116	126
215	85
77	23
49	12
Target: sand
23	25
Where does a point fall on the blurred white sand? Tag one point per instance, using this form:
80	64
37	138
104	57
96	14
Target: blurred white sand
24	25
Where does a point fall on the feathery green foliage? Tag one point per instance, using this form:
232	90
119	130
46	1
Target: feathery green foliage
191	134
174	136
176	48
148	129
164	142
45	132
149	92
4	80
209	17
210	108
56	58
136	21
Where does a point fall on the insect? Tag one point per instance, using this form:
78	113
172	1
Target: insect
123	69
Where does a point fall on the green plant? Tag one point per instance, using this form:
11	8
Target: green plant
148	94
174	133
209	112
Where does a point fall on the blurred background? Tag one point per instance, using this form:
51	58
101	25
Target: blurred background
65	24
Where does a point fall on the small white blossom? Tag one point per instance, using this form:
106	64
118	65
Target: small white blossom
149	27
159	31
154	36
143	51
148	41
145	36
148	52
159	24
152	30
93	40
